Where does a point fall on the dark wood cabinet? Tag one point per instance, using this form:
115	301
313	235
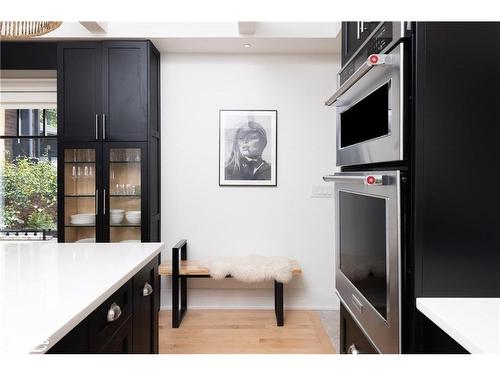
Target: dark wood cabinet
125	94
146	296
109	143
354	34
79	91
352	338
133	330
105	90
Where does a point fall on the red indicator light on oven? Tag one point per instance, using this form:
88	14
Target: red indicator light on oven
373	59
370	180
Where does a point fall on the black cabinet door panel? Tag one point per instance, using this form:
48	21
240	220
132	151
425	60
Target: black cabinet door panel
125	91
79	90
145	309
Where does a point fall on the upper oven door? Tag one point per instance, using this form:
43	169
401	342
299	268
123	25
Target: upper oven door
369	112
367	254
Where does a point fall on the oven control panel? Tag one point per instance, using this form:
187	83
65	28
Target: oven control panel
383	37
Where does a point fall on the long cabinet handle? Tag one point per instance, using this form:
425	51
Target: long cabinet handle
97	202
104	201
103	126
96	126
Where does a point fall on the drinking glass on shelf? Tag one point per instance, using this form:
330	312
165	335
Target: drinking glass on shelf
137	155
127	155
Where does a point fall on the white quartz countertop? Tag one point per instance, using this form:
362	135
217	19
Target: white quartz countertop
46	289
472	322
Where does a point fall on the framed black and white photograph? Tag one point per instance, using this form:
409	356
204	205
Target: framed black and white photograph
247	147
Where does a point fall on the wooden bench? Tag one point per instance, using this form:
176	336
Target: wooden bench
181	269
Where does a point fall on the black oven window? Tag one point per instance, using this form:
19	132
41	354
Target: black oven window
367	119
363	246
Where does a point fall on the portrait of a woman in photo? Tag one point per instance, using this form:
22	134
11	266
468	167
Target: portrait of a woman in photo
247	147
245	161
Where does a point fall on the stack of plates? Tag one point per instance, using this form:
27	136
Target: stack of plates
133	217
83	219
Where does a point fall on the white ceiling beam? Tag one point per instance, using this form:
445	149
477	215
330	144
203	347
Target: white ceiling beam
246	28
95	27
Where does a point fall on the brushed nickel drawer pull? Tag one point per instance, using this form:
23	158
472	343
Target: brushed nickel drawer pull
147	290
114	312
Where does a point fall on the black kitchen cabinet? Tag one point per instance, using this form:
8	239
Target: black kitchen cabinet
146	296
134	330
109	145
125	91
354	34
105	90
79	90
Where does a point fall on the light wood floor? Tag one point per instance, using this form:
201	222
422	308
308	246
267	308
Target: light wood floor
243	331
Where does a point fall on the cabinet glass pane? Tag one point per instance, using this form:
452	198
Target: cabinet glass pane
125	194
79	195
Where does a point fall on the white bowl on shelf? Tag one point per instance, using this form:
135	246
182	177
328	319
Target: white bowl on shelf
133	217
86	240
116	215
83	219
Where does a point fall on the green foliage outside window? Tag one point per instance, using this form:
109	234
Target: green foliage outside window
30	194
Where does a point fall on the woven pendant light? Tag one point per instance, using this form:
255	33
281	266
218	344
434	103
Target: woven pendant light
10	30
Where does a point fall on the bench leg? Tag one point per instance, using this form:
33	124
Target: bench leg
278	303
179	284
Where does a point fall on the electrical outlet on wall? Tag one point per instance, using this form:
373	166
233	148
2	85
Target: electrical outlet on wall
322	191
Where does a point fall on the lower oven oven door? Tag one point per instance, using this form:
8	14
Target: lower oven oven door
368	252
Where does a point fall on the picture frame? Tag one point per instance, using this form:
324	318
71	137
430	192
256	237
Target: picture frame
248	147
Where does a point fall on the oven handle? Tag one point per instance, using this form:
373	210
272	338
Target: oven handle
370	180
372	61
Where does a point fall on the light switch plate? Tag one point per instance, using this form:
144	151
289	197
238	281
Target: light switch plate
322	191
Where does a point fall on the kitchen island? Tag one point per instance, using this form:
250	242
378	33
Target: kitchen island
474	323
79	298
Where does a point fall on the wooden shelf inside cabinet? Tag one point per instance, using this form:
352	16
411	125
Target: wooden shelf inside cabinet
79	162
79	226
79	196
125	196
125	162
125	225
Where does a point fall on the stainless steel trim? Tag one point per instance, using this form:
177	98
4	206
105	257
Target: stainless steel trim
388	147
357	303
96	126
353	350
114	312
360	73
357	321
398	32
104	202
383	333
370	179
97	202
103	126
147	290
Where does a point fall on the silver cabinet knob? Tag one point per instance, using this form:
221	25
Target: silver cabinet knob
114	312
353	350
147	290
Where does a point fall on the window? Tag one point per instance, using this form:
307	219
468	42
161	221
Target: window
28	169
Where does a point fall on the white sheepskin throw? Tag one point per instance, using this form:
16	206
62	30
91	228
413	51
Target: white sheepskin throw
251	269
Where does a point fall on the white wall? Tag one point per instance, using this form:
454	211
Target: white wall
227	221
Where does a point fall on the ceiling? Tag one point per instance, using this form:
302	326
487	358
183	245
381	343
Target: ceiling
222	37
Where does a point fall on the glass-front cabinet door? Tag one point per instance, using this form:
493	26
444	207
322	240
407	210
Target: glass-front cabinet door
124	174
81	193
